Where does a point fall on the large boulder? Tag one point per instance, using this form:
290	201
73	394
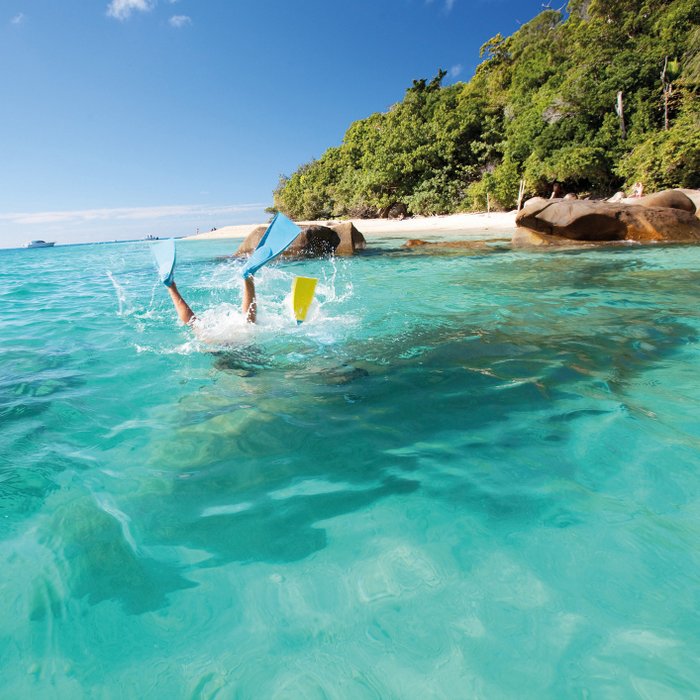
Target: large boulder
579	220
251	241
687	200
313	241
671	199
351	240
694	196
545	221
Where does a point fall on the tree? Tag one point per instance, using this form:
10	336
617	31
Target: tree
540	107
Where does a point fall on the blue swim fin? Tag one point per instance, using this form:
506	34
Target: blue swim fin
257	259
280	234
164	254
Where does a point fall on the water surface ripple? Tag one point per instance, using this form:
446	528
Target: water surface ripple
465	476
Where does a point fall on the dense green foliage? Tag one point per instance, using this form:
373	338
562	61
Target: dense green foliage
542	106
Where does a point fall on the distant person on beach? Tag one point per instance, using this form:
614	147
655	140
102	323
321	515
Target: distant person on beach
186	315
557	191
637	189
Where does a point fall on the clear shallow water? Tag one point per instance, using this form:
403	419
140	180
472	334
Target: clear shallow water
465	476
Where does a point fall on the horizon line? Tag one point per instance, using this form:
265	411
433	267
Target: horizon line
125	213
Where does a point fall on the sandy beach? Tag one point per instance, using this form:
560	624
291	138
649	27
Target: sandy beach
471	226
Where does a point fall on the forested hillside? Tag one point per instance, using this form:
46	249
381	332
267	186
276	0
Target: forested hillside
596	98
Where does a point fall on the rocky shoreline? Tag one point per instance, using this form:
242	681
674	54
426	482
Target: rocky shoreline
670	216
664	217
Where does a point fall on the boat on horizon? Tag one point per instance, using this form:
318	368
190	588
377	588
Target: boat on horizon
40	244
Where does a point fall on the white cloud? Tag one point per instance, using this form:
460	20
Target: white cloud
449	4
179	21
125	213
456	70
122	9
18	18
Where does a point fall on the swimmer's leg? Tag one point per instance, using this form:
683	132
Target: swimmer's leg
249	305
185	314
164	254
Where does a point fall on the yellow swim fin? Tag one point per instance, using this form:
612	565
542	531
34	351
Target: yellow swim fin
303	289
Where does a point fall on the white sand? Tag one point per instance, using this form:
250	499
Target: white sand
466	226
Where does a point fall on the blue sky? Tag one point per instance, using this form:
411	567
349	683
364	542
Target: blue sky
124	118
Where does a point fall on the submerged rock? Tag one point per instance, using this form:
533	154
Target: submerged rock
313	241
667	216
454	245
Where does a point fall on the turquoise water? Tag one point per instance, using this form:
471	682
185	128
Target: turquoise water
467	476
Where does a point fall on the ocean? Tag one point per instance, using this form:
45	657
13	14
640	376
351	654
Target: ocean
465	476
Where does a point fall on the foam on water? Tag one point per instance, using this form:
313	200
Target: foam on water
463	476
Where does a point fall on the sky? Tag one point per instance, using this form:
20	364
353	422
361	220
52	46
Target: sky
124	118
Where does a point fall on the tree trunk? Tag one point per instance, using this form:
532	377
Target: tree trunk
521	194
620	109
666	88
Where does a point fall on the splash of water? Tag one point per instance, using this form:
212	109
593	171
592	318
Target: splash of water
121	296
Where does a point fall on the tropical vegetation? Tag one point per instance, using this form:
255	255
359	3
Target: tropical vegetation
596	97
